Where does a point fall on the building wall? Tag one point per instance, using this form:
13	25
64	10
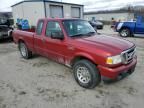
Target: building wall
107	16
66	9
31	11
17	12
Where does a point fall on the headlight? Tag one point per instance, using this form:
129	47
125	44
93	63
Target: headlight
114	59
135	52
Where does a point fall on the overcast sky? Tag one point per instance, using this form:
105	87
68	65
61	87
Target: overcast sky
90	5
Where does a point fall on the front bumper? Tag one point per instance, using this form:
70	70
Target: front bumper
115	73
4	35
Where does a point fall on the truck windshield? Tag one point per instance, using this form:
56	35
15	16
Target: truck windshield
76	28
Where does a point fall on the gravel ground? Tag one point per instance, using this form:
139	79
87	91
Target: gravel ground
42	83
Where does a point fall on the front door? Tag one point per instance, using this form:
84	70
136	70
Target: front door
55	48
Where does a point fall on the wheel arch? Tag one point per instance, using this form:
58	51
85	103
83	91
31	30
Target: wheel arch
81	57
131	30
29	53
125	27
21	40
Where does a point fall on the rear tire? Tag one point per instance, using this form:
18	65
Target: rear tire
25	53
125	32
86	74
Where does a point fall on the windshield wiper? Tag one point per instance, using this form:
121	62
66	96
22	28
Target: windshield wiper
80	34
77	35
90	33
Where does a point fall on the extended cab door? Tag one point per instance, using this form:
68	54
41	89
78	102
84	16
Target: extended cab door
139	29
38	38
55	48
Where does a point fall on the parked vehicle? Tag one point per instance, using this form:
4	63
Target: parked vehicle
131	28
5	29
5	32
74	43
96	24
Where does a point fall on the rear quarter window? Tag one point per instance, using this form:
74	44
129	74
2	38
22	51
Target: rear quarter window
39	27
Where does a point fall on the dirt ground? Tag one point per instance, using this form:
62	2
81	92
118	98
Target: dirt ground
42	83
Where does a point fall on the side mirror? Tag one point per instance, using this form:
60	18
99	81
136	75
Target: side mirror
57	35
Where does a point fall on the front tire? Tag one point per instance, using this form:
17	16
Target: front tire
125	32
25	53
86	74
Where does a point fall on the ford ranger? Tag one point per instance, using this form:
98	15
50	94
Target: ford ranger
74	43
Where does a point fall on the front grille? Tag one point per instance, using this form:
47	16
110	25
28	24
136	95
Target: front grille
128	55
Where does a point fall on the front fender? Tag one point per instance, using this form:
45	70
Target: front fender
86	56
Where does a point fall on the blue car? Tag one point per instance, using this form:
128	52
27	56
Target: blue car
131	28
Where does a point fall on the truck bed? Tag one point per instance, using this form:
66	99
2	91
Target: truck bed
26	36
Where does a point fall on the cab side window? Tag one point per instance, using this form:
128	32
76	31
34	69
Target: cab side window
52	27
39	27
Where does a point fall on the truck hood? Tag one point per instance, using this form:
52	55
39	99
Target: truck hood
107	43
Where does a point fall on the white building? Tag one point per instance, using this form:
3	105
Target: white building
32	10
108	15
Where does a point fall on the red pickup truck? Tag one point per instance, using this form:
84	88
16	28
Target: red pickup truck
74	43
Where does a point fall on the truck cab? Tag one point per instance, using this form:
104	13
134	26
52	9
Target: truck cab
139	28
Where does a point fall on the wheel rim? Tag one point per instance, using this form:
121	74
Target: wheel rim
83	74
124	33
23	50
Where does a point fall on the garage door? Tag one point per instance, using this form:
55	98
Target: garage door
56	11
75	12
